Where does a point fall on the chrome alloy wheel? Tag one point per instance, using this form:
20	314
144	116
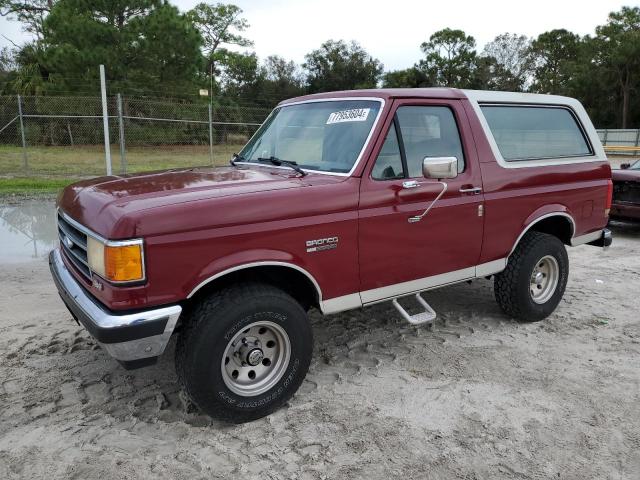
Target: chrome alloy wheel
544	279
256	358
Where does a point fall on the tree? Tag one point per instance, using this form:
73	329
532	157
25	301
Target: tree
338	65
220	26
513	61
7	69
240	74
168	47
262	84
554	55
594	86
29	12
450	58
491	75
30	78
7	61
139	41
411	77
280	79
618	52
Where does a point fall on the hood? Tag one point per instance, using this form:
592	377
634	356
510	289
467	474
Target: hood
625	175
99	203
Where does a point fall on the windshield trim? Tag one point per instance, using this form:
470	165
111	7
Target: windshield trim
317	100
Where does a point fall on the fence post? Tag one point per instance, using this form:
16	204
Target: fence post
123	153
105	121
604	140
637	136
25	162
210	134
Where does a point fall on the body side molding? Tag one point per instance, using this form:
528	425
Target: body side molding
586	238
389	292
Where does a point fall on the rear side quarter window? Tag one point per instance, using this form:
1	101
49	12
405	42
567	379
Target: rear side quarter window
536	132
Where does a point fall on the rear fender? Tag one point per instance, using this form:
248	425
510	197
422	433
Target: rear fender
546	211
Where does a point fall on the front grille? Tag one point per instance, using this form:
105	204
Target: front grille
73	243
626	192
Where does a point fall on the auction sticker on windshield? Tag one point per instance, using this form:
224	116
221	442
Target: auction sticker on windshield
352	115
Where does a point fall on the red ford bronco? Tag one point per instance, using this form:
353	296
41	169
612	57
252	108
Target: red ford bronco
339	201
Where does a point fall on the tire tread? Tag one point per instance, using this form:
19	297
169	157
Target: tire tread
206	309
506	282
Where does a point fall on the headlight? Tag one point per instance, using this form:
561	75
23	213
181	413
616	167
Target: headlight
116	261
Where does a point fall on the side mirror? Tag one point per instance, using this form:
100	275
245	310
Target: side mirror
624	166
440	167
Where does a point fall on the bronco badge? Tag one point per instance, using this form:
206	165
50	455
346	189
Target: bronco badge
321	244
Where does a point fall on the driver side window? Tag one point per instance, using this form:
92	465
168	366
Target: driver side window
428	131
388	165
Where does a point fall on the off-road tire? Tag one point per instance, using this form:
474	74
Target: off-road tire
512	285
202	345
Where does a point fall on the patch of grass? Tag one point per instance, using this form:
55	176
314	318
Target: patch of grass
88	160
22	186
51	168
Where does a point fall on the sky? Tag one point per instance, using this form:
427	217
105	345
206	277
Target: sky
392	30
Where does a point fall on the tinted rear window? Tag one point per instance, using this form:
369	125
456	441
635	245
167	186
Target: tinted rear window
533	132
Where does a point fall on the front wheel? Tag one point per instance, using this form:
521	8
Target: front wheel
533	283
244	352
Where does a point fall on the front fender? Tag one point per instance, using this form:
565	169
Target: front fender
248	259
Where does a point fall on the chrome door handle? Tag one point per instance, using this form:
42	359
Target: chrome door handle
474	190
410	184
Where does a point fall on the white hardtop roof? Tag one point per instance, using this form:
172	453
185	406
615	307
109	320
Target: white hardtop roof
488	96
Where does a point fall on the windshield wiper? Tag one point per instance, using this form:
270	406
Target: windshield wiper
236	157
278	162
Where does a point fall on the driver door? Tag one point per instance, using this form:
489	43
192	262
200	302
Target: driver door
397	256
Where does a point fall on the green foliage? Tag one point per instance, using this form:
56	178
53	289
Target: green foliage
275	80
7	68
220	25
240	71
412	77
450	58
617	45
338	65
507	63
489	74
150	48
216	24
140	41
6	60
555	54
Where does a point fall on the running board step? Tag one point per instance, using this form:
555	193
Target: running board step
428	316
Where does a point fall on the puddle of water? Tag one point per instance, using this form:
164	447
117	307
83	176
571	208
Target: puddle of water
27	231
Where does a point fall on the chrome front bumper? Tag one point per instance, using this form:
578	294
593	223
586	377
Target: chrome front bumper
134	339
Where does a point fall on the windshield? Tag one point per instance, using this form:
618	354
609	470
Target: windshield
635	166
326	136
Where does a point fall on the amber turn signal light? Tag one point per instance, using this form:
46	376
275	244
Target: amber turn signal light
123	263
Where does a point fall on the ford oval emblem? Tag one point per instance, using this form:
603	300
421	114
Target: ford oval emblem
68	242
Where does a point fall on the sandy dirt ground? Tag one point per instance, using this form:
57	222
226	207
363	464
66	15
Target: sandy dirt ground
476	396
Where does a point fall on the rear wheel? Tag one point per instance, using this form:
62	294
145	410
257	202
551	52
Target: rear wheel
244	352
534	281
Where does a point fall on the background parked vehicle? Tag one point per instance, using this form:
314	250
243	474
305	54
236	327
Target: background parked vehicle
626	192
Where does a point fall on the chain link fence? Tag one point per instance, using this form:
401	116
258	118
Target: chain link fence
64	136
